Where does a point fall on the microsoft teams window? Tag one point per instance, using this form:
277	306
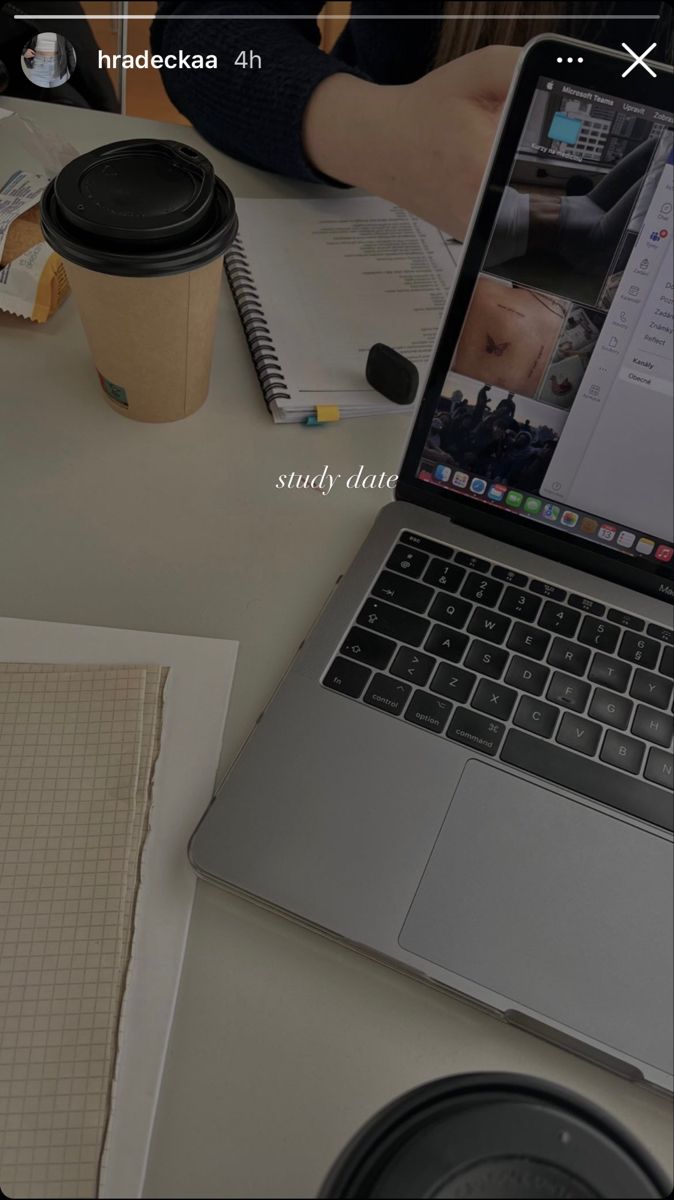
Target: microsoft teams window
558	401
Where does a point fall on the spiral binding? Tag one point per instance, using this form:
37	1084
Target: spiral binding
255	327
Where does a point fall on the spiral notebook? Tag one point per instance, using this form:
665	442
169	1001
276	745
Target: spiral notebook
318	282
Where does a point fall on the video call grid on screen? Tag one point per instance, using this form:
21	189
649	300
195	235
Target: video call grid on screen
579	396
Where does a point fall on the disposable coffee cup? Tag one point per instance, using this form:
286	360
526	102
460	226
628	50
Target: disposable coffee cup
142	227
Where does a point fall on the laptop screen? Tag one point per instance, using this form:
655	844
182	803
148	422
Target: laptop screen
557	405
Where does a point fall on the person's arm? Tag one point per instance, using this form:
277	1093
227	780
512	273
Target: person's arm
304	113
253	113
423	145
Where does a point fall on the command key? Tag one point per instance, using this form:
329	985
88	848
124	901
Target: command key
475	731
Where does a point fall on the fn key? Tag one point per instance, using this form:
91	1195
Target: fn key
347	677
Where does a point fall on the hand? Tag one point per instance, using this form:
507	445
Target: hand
423	145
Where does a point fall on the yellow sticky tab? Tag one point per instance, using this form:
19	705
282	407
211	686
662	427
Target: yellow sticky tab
327	412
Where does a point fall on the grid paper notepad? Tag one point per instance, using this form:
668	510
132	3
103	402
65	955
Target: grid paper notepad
77	752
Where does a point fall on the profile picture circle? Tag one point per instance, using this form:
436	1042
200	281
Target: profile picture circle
48	60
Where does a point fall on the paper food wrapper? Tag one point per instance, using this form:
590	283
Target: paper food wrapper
33	282
151	339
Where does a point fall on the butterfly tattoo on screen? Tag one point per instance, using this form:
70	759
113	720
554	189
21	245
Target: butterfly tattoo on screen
497	348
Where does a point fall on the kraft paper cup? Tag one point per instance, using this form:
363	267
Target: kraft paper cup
142	227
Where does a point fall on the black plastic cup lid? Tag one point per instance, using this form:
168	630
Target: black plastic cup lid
140	207
494	1136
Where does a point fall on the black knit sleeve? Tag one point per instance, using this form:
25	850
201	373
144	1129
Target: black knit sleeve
254	114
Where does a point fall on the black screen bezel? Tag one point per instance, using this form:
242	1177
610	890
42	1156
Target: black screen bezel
600	70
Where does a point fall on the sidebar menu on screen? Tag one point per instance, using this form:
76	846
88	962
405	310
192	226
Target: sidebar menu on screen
615	454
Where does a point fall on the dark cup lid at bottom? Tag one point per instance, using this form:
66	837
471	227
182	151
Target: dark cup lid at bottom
495	1137
137	208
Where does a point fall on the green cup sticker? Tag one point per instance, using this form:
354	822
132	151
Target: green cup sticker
113	390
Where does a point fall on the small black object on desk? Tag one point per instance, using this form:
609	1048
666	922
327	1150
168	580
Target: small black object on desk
392	374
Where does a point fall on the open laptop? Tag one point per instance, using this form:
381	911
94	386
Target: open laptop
467	771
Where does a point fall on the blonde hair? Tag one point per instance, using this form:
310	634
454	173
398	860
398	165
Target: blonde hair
514	28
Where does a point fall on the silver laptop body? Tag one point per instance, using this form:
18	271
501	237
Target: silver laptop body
467	770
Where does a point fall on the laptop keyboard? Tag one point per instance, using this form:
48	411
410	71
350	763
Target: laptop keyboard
516	668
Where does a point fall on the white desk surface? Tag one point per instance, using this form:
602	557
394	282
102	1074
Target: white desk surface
283	1042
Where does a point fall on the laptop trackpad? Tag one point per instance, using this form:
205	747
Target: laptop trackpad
554	905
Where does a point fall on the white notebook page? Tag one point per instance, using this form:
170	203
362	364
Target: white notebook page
336	276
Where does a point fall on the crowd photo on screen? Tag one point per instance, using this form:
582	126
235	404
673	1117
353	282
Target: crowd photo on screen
491	433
